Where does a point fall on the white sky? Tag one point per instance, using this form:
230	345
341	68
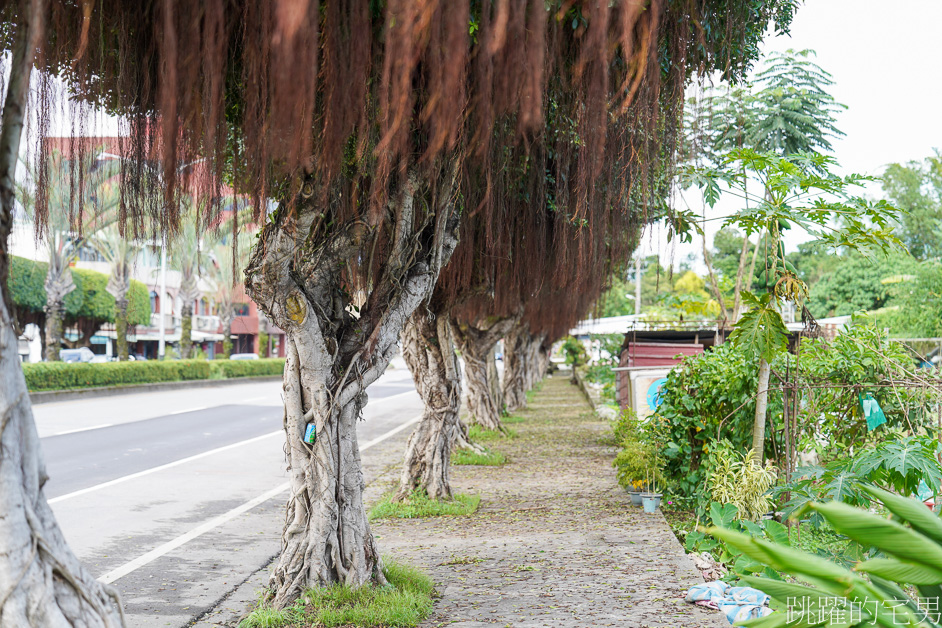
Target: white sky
883	58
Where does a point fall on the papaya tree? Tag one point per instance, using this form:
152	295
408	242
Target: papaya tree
796	191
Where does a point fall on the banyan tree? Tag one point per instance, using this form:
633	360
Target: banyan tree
353	125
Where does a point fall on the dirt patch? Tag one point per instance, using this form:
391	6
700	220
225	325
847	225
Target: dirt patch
555	541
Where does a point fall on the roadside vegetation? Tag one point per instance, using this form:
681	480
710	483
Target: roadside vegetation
43	376
418	504
405	601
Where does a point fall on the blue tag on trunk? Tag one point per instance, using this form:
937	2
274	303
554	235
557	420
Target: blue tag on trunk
310	434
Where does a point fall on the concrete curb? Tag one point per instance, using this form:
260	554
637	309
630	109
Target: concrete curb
52	396
595	400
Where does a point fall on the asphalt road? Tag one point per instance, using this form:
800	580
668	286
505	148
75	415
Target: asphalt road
175	496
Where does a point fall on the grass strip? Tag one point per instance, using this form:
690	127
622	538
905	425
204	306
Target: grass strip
469	457
419	505
406	602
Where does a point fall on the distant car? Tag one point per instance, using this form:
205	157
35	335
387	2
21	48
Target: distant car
72	356
98	359
243	356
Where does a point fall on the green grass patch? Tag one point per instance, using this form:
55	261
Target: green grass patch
406	602
513	418
420	505
478	433
488	458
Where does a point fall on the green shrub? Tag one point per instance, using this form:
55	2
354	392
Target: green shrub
248	368
60	376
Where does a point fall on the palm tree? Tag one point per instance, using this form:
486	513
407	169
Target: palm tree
229	262
189	246
80	200
121	253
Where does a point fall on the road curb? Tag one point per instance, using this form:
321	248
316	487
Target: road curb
51	396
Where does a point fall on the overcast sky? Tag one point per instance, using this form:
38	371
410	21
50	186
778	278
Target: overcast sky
884	58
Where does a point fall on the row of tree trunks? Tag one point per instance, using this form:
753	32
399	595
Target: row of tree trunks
299	276
525	362
476	342
42	583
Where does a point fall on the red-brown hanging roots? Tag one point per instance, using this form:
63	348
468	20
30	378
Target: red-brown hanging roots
262	92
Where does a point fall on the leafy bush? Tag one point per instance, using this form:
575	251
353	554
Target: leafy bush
90	301
708	398
248	368
574	351
899	465
737	479
61	376
864	356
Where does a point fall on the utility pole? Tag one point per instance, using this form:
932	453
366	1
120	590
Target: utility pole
162	342
637	283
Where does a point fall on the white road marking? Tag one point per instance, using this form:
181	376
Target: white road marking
196	409
373	402
203	528
82	429
169	465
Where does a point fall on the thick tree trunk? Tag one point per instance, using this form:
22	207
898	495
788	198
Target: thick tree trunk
517	357
429	351
55	317
476	343
299	276
121	328
42	584
186	331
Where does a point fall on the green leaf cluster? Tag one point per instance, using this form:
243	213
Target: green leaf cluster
900	584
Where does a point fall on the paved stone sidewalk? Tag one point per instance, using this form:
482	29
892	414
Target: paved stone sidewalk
556	542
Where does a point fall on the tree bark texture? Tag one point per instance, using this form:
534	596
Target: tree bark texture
476	343
121	328
429	351
300	276
55	320
186	331
42	583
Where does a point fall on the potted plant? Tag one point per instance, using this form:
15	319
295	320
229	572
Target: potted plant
651	500
631	466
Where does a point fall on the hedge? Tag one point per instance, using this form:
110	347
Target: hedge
61	376
247	368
